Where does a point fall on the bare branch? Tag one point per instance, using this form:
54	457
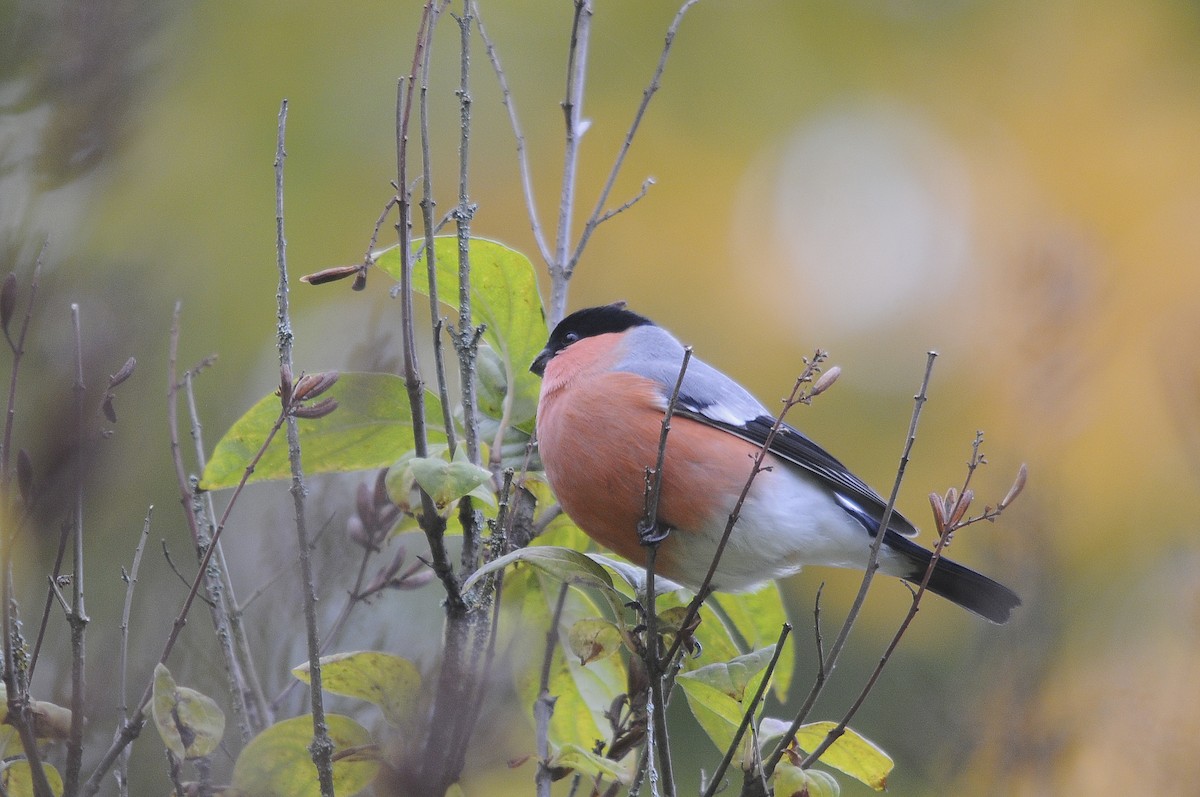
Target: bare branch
427	206
572	106
543	707
123	671
830	661
641	194
77	618
648	94
798	396
539	236
322	746
219	587
714	784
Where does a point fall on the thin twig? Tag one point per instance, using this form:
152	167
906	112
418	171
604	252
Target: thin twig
431	521
627	204
836	732
123	672
18	352
797	396
322	746
714	784
830	661
427	206
258	711
652	536
572	106
77	618
217	597
16	675
543	707
506	98
468	335
598	215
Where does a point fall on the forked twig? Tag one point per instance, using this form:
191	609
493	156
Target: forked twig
830	661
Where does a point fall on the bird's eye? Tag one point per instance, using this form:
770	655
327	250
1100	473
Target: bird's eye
570	338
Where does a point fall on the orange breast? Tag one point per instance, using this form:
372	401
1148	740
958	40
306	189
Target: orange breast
599	432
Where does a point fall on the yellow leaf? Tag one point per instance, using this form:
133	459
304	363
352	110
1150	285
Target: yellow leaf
277	763
389	681
857	756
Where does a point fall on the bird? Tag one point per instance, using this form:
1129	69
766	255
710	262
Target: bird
608	375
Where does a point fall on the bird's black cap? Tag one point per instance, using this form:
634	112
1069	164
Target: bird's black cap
586	323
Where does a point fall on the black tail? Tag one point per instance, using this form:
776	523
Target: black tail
973	591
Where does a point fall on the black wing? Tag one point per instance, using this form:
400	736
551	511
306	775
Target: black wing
852	493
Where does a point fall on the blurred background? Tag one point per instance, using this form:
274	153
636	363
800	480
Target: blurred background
1013	184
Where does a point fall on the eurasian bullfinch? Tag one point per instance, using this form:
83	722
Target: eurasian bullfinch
607	377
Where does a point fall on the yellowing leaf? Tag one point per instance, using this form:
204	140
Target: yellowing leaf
592	765
582	694
857	756
718	714
387	680
277	763
189	722
593	638
17	779
50	721
10	742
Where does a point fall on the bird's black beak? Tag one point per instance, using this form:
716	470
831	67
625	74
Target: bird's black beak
539	362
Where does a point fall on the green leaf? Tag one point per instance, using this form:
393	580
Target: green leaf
593	638
504	297
792	781
589	764
635	576
853	754
387	680
17	779
190	723
732	678
446	482
371	428
716	694
277	763
564	564
759	616
491	382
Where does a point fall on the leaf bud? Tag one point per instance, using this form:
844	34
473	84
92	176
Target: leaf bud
309	386
826	380
124	373
318	410
1017	487
332	274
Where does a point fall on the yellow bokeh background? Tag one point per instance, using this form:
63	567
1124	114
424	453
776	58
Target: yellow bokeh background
1013	184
